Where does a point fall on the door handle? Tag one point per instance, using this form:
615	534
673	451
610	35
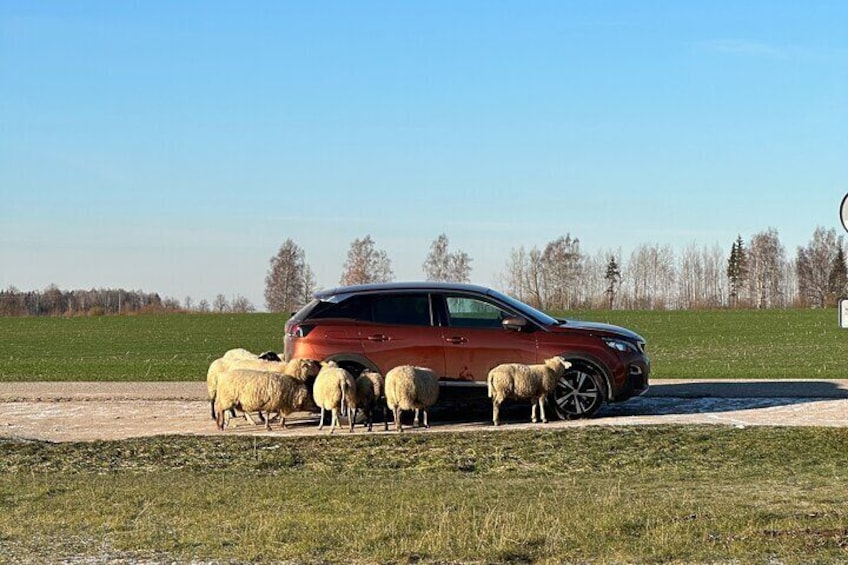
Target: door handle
456	340
378	337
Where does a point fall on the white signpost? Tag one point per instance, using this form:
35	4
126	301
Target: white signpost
843	313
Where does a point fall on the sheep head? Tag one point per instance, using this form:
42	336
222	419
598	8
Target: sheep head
558	364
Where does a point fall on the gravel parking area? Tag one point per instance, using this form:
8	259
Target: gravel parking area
107	411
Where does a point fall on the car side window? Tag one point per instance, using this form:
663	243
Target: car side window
405	309
466	312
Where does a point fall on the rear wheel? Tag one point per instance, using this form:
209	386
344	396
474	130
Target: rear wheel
579	392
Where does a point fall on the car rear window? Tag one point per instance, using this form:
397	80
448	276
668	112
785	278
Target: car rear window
354	308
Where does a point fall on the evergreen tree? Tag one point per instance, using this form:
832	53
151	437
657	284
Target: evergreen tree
737	269
838	279
613	278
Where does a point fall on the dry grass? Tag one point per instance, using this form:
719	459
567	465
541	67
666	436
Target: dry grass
691	494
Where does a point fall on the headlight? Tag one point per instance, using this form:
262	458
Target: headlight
620	345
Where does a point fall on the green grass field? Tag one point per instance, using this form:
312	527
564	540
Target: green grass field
770	344
585	495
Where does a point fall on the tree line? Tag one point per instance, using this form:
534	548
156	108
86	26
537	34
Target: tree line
53	301
753	273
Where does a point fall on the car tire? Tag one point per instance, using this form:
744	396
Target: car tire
579	392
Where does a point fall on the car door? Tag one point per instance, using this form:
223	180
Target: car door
399	330
476	341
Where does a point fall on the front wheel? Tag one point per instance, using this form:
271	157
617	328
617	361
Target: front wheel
579	393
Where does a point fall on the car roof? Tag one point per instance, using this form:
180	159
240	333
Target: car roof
400	286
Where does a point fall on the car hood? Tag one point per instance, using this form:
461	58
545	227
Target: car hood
598	327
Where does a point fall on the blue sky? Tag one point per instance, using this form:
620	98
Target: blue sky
173	146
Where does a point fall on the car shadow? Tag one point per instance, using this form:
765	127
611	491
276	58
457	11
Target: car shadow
700	397
672	398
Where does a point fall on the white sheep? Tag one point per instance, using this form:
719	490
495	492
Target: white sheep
239	353
411	388
221	365
334	389
370	393
533	382
217	368
301	369
257	391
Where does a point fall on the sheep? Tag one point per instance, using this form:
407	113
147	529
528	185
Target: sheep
304	370
370	393
217	368
257	391
301	369
533	382
334	388
239	353
411	388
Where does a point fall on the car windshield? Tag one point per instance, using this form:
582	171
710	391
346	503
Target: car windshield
530	312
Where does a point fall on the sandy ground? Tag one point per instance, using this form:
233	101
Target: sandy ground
107	411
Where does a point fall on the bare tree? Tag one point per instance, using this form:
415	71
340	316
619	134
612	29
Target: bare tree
188	303
512	280
289	282
365	264
651	276
766	268
562	266
220	304
241	305
442	265
203	306
814	265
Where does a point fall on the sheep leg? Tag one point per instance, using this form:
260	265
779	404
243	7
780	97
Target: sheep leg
426	419
283	419
496	411
219	420
542	409
415	417
334	419
321	423
385	419
533	417
352	418
396	414
214	415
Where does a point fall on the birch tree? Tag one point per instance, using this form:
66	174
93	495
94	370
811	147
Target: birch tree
366	264
289	282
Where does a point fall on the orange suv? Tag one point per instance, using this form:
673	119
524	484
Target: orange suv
462	331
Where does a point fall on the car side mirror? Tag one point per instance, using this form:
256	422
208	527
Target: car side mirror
514	324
